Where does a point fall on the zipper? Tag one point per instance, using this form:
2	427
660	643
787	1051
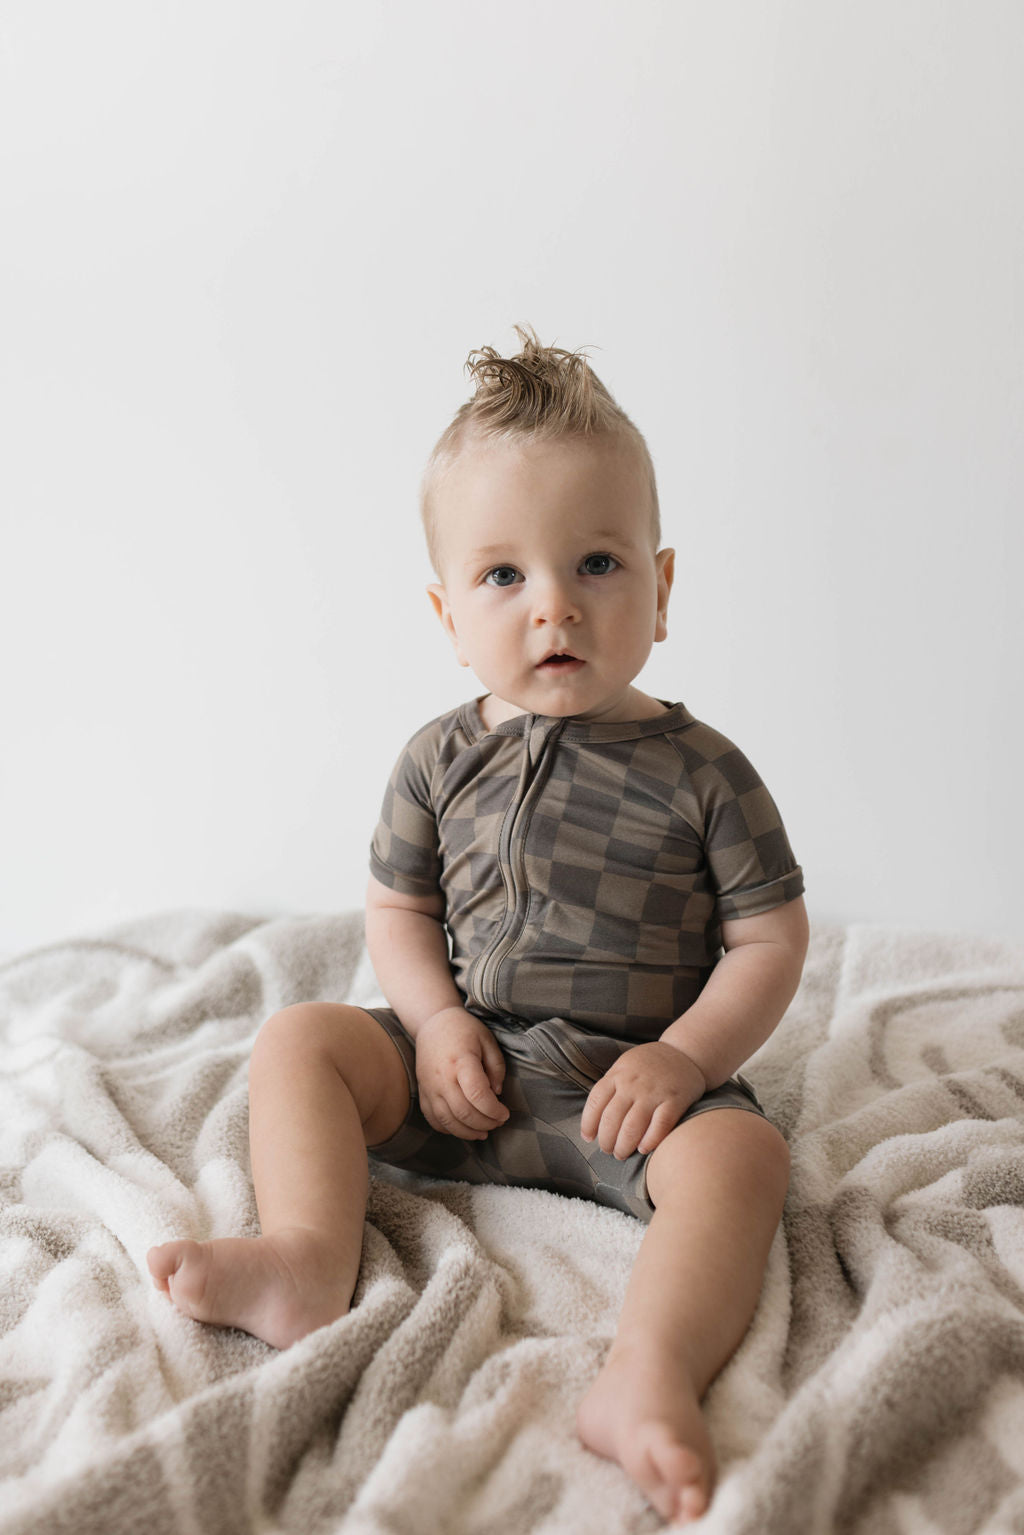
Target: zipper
564	1053
538	755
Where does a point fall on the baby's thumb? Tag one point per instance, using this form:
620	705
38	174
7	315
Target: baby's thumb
494	1063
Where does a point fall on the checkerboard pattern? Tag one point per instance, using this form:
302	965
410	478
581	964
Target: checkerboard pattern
587	868
549	1070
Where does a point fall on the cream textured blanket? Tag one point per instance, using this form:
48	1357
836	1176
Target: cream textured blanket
880	1388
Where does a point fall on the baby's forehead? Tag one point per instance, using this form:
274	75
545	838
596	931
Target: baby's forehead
505	497
565	480
476	531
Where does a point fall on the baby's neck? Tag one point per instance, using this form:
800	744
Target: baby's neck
636	706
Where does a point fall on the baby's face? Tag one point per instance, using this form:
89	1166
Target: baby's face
546	553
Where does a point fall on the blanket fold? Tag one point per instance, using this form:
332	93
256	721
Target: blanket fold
880	1387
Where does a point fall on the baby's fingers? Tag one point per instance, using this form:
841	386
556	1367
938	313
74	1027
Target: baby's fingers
601	1094
494	1060
482	1103
633	1129
665	1118
440	1116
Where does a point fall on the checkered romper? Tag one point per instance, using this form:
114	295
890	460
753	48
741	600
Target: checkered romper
586	870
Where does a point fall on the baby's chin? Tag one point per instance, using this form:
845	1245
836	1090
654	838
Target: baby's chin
566	699
547	693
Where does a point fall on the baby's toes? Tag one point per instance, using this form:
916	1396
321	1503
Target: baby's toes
160	1266
674	1477
166	1261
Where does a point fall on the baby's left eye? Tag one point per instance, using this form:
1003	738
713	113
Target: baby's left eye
599	564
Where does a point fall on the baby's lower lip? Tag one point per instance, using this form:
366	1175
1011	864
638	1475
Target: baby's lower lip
557	664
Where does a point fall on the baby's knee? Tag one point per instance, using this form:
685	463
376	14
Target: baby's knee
773	1147
305	1028
726	1149
335	1037
756	1143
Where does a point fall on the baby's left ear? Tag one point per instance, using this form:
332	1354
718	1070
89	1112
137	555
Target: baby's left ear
665	560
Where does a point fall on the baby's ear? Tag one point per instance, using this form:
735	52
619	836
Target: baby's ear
665	561
439	598
439	601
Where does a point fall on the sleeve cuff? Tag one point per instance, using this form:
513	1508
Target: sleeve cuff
758	898
406	884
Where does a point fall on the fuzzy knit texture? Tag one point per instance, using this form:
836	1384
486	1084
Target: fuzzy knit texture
880	1388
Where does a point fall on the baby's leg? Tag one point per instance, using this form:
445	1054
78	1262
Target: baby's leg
718	1183
325	1081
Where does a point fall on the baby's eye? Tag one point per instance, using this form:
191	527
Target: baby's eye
502	575
599	564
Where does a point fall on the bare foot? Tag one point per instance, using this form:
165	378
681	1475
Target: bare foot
278	1288
644	1412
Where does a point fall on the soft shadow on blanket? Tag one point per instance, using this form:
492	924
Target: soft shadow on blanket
880	1388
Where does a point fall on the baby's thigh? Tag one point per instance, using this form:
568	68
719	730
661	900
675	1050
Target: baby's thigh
333	1036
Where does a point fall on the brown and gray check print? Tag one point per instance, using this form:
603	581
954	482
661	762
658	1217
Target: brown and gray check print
586	868
549	1071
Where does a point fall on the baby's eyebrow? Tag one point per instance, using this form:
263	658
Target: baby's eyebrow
615	537
488	552
592	540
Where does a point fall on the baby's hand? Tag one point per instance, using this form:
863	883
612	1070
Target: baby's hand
641	1098
460	1069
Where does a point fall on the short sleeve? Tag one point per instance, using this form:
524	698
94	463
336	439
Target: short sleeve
750	860
404	851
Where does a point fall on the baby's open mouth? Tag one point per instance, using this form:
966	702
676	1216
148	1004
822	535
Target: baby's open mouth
561	662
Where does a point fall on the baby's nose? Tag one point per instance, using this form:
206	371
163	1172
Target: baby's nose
554	603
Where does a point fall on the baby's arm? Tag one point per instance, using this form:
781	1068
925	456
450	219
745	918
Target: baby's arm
459	1064
640	1099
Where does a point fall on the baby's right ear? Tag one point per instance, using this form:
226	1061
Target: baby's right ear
439	601
439	598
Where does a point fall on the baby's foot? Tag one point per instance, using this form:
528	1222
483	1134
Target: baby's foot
278	1288
644	1412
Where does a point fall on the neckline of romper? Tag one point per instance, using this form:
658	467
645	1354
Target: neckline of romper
675	715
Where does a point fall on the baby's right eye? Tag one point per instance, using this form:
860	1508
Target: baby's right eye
501	575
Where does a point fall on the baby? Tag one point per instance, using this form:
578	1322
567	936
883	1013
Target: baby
589	851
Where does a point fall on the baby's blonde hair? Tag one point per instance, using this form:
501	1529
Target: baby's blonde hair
543	393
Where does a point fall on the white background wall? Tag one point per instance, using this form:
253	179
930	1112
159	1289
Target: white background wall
246	249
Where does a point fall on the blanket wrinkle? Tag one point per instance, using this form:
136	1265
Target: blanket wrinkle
879	1388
